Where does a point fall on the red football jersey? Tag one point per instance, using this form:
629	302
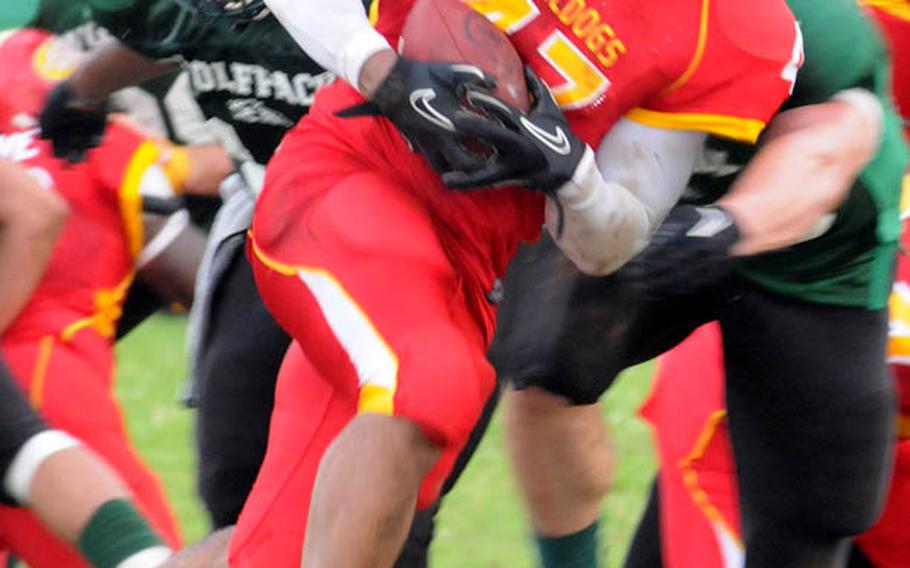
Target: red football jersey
721	66
92	263
33	60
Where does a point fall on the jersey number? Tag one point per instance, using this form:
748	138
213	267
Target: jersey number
583	82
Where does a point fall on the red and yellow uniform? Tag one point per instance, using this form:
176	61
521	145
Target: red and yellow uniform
60	347
382	275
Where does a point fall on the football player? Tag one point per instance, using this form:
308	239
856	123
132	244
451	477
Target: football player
252	83
387	279
798	275
695	519
60	346
68	489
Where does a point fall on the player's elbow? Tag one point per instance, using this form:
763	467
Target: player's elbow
36	211
46	216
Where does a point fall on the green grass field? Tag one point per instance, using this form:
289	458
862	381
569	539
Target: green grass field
481	524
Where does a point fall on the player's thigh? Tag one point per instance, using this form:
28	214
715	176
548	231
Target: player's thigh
811	411
571	334
365	285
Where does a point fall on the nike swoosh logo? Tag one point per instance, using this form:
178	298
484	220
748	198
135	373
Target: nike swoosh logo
711	223
556	141
420	100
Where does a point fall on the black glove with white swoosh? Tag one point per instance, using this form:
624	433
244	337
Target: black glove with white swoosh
689	251
545	154
425	101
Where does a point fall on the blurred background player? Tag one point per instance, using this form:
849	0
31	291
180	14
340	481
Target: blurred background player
693	516
385	276
787	398
164	107
70	490
59	347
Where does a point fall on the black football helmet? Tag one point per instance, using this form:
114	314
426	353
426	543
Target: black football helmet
238	10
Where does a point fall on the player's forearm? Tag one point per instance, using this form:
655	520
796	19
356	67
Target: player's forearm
172	256
612	207
602	225
336	34
31	219
113	68
197	170
803	172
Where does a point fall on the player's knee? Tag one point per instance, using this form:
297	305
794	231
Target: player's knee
395	445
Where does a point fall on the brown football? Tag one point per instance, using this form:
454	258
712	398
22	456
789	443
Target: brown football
450	31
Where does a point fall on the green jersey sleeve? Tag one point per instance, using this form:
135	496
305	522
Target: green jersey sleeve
60	16
155	28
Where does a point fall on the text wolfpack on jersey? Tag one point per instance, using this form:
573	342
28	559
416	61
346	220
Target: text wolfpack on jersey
248	80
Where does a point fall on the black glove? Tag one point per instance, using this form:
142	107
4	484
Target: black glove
425	102
689	251
543	157
72	124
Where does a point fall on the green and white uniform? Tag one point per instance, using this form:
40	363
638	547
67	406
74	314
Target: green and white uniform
851	262
252	81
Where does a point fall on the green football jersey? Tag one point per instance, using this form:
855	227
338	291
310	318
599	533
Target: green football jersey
850	263
252	81
59	16
56	16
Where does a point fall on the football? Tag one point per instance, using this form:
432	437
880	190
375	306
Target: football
452	32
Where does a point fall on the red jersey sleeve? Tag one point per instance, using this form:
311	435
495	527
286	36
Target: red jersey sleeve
743	67
894	18
120	164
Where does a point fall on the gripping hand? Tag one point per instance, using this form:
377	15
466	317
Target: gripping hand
542	152
689	251
424	101
72	124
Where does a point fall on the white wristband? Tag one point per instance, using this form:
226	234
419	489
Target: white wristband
31	455
149	558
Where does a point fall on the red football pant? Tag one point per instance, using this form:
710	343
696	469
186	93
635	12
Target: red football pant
699	511
71	384
380	275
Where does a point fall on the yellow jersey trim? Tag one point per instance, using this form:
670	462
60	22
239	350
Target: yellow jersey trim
699	50
897	8
374	12
903	426
39	372
130	199
690	475
733	127
353	330
108	309
176	166
375	399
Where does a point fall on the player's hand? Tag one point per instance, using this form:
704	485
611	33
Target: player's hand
72	124
424	100
690	250
544	154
